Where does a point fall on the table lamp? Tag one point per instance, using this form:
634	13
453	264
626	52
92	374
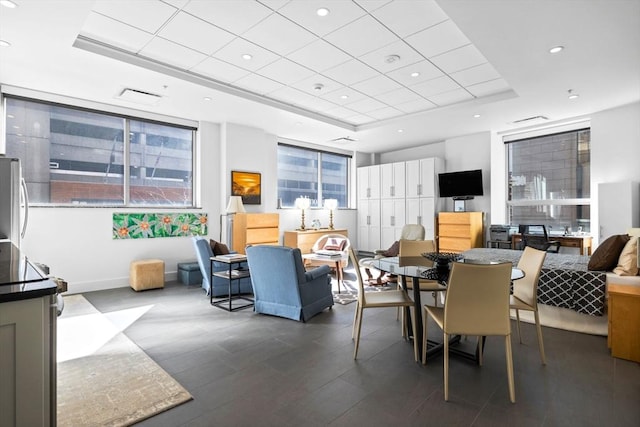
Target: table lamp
303	203
331	204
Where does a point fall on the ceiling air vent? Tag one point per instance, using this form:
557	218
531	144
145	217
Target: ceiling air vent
139	96
344	139
528	119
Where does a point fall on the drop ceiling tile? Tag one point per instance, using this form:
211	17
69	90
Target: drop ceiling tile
172	53
195	33
371	5
258	84
219	70
488	88
340	112
279	35
308	85
415	106
451	97
289	95
376	85
274	4
304	13
365	105
479	74
361	36
425	69
232	53
319	56
337	96
438	39
380	59
350	72
359	119
178	4
232	15
285	71
459	59
384	113
408	17
316	104
146	15
435	86
115	33
398	96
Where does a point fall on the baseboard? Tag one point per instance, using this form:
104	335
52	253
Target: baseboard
101	285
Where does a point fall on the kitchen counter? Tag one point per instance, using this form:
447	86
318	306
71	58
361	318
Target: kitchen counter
19	278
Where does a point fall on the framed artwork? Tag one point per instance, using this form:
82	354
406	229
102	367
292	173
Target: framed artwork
246	185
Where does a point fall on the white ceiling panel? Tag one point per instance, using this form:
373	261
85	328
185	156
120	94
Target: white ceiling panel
316	104
258	84
451	97
475	75
435	86
172	53
459	59
108	30
376	85
398	96
279	35
384	113
407	17
366	105
146	15
289	95
350	72
414	106
384	60
371	5
232	53
359	119
343	95
219	70
361	36
285	71
178	4
340	112
304	13
195	33
308	85
319	56
425	69
232	15
274	4
488	88
438	39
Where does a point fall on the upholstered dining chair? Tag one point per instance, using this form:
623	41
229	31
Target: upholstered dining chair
383	299
477	304
525	291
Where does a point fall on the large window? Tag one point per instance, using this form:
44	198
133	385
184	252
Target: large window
549	180
318	175
73	156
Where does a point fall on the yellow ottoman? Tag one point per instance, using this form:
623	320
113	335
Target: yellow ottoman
146	274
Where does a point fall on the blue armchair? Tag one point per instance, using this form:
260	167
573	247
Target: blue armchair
283	288
220	285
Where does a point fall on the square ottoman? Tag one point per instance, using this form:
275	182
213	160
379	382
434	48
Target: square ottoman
146	274
189	273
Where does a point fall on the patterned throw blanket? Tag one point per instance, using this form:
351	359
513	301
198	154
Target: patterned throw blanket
564	279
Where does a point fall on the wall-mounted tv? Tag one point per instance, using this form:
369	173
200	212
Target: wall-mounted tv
460	185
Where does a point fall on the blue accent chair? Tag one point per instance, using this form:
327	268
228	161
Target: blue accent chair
220	284
283	288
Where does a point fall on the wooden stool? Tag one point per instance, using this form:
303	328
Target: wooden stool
146	274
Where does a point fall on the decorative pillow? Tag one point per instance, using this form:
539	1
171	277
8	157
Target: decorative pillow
628	261
334	244
393	250
219	248
605	257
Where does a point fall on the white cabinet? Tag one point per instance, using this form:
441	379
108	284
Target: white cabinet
369	182
368	225
422	177
618	208
392	180
392	212
422	210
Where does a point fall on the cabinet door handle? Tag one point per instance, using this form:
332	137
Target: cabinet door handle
419	219
393	220
393	191
368	192
420	189
368	220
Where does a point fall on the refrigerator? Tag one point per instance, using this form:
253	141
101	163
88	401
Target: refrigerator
14	201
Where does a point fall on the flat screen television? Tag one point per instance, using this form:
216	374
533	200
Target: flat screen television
460	185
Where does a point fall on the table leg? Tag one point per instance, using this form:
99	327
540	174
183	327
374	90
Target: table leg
339	273
417	309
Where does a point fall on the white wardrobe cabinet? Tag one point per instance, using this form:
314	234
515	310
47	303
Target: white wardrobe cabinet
422	177
422	210
393	218
392	180
368	225
369	182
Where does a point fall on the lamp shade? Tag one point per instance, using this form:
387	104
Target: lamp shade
235	205
303	203
331	204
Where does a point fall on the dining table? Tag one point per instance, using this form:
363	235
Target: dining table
415	268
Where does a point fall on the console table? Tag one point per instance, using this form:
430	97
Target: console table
304	239
583	243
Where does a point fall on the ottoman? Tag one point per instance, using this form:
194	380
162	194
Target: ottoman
146	274
189	273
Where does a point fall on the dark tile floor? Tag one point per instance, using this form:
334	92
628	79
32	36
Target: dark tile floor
247	369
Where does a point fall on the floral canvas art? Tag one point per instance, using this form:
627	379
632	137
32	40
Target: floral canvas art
149	225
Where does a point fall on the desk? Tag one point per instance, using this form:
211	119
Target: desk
581	242
338	261
230	276
392	265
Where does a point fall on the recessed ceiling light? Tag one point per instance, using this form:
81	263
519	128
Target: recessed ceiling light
206	98
323	11
344	96
400	130
475	116
10	116
247	57
556	49
415	74
572	95
4	43
8	3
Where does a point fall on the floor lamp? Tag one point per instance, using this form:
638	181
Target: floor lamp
233	207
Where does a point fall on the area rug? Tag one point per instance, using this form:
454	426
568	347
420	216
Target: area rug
348	291
117	384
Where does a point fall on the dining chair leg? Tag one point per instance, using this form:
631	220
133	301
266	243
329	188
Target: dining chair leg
355	320
425	315
518	325
509	357
416	354
540	343
446	367
358	329
480	350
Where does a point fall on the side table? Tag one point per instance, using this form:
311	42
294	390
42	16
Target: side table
624	321
231	275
